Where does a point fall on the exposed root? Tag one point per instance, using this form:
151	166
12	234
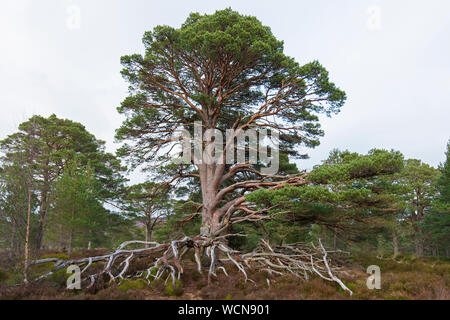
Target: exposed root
297	259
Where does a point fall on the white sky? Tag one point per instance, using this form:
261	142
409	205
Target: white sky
391	57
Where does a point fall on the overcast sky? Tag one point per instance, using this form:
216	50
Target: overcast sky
391	58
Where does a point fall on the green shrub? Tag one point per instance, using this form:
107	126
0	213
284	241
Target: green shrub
400	257
3	276
176	290
411	258
350	285
153	272
59	278
13	278
137	284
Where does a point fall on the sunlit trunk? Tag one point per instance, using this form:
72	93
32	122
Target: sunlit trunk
43	206
210	223
148	232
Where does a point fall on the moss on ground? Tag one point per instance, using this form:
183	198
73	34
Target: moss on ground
3	276
176	290
137	284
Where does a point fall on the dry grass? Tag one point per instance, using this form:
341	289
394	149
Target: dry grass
403	278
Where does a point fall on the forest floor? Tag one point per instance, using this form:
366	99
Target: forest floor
405	277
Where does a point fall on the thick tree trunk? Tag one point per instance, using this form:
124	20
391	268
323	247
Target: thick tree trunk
148	232
418	232
39	234
419	243
206	225
210	223
395	243
43	206
209	228
40	231
27	237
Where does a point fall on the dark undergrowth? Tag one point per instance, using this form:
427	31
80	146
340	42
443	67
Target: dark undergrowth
405	277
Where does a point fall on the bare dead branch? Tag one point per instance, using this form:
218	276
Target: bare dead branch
297	259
